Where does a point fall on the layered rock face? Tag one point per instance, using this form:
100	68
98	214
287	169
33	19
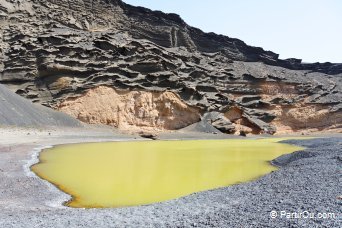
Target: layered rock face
131	110
65	54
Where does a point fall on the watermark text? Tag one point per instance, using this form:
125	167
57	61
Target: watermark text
302	215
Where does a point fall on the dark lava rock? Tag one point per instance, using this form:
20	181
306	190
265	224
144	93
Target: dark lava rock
54	50
223	124
148	135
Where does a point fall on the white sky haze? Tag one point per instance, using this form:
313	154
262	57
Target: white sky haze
306	29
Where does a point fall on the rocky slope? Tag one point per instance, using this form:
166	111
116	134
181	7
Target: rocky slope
66	53
17	111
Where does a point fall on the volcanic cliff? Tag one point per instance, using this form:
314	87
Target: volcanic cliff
103	61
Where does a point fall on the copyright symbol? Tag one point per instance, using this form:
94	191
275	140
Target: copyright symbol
273	214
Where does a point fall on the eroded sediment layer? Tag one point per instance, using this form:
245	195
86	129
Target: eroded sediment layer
52	51
131	110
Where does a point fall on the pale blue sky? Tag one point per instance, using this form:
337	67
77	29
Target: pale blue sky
307	29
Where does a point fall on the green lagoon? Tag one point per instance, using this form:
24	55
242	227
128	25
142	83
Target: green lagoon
121	174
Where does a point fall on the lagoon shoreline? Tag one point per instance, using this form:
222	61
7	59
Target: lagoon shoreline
306	181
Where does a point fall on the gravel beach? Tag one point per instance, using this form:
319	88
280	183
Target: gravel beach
308	182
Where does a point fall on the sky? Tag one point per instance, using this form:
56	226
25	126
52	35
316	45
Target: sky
310	30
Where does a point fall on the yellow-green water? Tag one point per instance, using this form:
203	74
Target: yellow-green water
119	174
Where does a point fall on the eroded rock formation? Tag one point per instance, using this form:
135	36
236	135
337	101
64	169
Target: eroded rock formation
131	110
59	52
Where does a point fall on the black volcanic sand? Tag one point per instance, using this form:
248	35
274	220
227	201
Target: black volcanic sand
307	181
18	111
